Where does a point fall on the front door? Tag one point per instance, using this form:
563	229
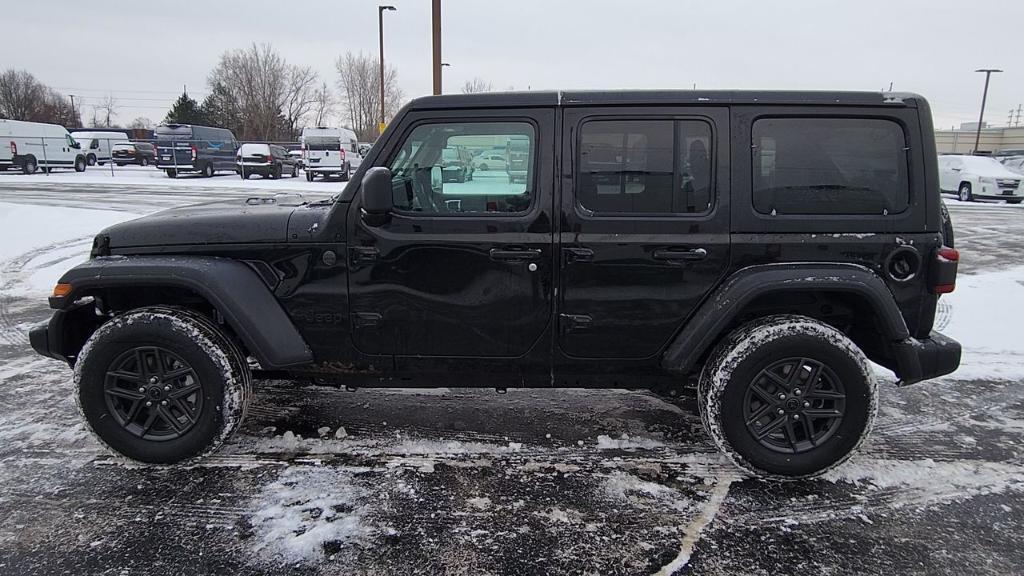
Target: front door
646	225
464	264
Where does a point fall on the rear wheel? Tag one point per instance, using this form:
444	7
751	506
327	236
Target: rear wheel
29	165
965	192
295	171
91	159
1015	201
309	176
144	162
344	172
207	170
162	385
787	397
171	173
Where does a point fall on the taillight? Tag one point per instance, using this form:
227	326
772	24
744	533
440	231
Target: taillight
342	152
943	274
193	147
14	148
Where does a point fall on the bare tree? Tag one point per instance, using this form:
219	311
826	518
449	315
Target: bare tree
300	97
476	85
359	80
324	106
141	123
104	112
20	95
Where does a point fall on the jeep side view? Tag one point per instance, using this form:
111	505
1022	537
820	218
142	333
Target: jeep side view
761	245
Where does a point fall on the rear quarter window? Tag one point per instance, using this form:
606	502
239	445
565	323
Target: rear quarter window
848	166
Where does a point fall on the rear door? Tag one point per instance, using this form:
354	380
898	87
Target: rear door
645	233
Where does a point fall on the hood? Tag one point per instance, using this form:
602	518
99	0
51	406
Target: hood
246	221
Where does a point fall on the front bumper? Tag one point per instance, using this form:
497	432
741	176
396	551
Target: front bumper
926	358
44	337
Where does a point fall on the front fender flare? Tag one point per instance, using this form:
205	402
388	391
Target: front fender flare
710	321
234	289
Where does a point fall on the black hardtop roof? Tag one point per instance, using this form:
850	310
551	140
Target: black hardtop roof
661	97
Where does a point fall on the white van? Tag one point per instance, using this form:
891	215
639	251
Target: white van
329	151
97	145
32	145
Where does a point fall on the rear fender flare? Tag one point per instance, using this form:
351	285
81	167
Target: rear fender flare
710	321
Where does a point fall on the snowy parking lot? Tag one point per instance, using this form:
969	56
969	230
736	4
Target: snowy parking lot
467	481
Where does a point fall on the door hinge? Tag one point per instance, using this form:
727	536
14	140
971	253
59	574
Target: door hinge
366	319
575	322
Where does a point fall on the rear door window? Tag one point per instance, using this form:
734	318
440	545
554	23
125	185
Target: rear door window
824	166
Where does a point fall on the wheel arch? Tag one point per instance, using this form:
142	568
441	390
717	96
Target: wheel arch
219	286
848	296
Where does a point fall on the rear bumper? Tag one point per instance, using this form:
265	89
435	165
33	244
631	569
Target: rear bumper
178	167
926	358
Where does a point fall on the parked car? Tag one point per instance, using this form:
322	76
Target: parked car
29	146
1014	164
640	250
330	152
267	160
141	153
297	156
490	160
517	159
979	177
97	145
454	167
182	148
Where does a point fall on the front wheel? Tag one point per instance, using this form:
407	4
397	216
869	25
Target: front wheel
79	164
162	385
965	192
144	162
787	397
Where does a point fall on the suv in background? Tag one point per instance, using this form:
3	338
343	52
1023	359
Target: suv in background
141	153
267	160
979	177
184	148
762	245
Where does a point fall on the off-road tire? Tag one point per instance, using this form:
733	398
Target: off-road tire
218	368
738	361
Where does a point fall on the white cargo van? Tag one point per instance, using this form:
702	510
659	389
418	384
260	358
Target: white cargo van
32	145
329	151
97	145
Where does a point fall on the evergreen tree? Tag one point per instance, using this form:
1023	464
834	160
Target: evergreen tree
185	111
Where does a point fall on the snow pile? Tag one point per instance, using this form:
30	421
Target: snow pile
960	479
626	487
605	442
986	321
306	512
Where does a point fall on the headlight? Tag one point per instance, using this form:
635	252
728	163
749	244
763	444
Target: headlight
988	180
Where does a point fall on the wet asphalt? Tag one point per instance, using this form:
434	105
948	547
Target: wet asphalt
465	481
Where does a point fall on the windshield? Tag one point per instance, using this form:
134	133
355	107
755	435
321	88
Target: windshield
323	143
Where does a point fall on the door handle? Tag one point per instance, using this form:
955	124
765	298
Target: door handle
364	254
670	255
501	254
576	254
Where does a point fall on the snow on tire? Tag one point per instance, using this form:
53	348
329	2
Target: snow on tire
787	397
162	385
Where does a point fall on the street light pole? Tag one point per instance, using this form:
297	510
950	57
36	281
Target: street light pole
72	105
380	28
435	17
444	65
984	96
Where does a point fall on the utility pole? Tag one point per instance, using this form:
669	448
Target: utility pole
73	115
380	29
436	37
1016	121
984	95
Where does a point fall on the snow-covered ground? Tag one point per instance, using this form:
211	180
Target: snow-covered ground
324	481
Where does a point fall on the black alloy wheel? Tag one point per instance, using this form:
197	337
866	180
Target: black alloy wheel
794	405
153	393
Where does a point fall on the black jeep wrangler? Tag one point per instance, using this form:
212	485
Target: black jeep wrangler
761	245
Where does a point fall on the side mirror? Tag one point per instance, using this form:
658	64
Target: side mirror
375	192
436	179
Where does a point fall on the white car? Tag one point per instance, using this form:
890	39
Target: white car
1014	164
979	177
490	160
98	145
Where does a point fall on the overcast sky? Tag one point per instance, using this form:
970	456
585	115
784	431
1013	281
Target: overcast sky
144	55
